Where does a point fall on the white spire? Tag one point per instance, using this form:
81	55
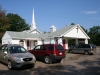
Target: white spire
33	25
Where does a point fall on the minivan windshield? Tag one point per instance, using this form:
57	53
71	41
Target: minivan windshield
17	49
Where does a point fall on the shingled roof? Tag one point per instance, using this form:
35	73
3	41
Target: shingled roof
57	33
22	34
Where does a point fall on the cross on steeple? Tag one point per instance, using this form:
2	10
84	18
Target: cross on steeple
77	29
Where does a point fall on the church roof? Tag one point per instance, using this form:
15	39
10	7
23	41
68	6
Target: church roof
29	31
58	33
61	32
21	35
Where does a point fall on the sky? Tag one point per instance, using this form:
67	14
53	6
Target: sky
56	12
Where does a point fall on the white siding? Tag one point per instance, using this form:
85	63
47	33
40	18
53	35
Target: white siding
6	36
32	44
60	41
25	44
15	41
39	42
52	41
6	39
74	34
48	41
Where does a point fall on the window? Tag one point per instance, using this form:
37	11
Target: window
76	46
84	46
6	49
59	47
43	47
37	47
17	49
2	48
50	47
81	46
87	46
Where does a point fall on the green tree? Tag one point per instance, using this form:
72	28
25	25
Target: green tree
4	22
86	31
73	24
94	34
17	23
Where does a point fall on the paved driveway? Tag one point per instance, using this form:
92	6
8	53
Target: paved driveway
73	64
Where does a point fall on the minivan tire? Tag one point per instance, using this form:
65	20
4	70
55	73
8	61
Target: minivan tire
86	53
9	65
47	60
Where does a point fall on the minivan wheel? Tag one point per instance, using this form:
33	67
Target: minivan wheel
47	60
9	65
86	52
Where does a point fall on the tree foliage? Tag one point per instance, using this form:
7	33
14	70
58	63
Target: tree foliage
72	23
86	31
17	23
94	34
4	22
11	22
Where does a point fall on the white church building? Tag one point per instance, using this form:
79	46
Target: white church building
30	38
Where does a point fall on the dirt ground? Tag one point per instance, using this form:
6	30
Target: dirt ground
73	64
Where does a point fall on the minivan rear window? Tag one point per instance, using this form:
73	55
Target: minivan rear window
59	47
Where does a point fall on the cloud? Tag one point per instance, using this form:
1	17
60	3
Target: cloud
91	12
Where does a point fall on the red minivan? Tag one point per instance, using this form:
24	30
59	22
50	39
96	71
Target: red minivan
49	52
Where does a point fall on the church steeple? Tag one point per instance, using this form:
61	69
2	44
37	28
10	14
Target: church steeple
33	25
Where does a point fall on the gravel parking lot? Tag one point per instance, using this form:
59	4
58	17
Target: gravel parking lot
73	64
